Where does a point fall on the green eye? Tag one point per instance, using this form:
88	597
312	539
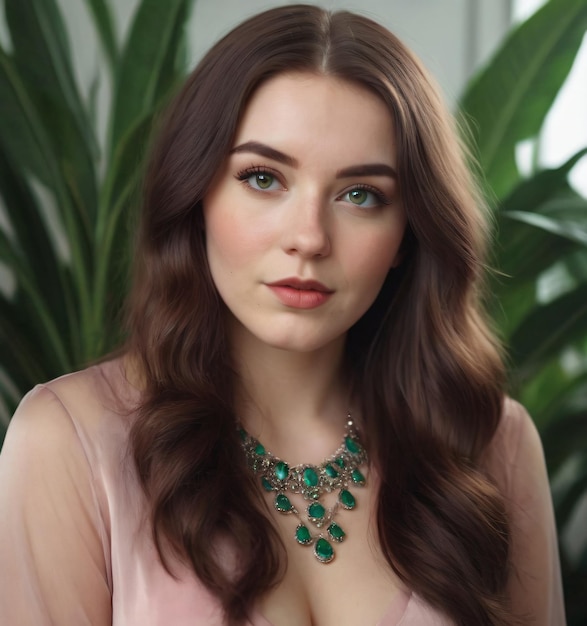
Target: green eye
264	181
358	196
364	197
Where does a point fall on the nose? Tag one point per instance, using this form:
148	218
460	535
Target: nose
307	229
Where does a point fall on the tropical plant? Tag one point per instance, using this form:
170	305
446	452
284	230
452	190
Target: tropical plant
539	292
67	195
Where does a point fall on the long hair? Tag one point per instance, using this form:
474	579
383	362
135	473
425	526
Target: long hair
425	368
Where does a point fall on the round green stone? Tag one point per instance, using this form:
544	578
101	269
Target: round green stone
259	449
266	484
282	503
347	499
316	511
352	446
358	477
281	470
310	477
323	550
340	462
303	535
330	471
336	532
243	433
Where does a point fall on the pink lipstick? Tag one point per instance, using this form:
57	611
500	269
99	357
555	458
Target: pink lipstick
300	294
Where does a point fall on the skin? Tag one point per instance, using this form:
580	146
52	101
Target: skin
308	191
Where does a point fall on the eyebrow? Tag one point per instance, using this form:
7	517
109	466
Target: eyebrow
368	169
265	151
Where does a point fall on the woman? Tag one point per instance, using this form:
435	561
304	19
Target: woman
308	423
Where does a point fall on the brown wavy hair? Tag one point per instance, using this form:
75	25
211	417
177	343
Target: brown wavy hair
426	369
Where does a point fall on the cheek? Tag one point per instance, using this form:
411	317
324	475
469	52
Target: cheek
231	241
378	254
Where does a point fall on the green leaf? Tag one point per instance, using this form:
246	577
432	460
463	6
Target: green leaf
33	241
18	344
42	313
564	436
549	328
541	187
531	242
574	231
509	99
42	58
25	140
100	9
112	234
21	131
141	82
569	493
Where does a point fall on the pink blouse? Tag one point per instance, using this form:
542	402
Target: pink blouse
75	548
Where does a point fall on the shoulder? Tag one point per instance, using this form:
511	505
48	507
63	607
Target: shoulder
516	448
515	460
89	409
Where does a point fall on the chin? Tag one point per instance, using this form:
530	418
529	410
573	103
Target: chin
297	344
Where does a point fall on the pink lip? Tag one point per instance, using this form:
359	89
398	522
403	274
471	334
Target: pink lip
300	294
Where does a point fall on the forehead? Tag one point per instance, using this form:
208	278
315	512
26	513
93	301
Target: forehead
302	111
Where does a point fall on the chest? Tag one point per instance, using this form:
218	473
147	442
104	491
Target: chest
357	587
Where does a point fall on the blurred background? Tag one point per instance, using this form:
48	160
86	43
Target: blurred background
81	82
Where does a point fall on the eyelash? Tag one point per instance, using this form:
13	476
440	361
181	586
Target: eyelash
245	174
382	199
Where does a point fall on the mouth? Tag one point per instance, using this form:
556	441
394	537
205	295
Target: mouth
295	293
301	285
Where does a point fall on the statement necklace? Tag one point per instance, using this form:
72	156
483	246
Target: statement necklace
337	472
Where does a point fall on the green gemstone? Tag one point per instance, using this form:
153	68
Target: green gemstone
340	462
281	470
336	532
316	511
352	446
330	471
358	477
282	503
310	477
259	449
266	484
303	535
243	433
347	499
323	551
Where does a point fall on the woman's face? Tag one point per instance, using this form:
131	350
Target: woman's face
305	219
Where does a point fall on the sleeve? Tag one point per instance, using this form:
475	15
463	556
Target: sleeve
535	580
53	563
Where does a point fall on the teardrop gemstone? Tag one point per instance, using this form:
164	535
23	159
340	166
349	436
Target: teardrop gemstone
323	551
310	477
351	445
347	499
303	535
336	532
282	503
316	511
330	471
358	477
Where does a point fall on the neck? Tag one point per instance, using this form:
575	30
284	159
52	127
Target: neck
295	403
